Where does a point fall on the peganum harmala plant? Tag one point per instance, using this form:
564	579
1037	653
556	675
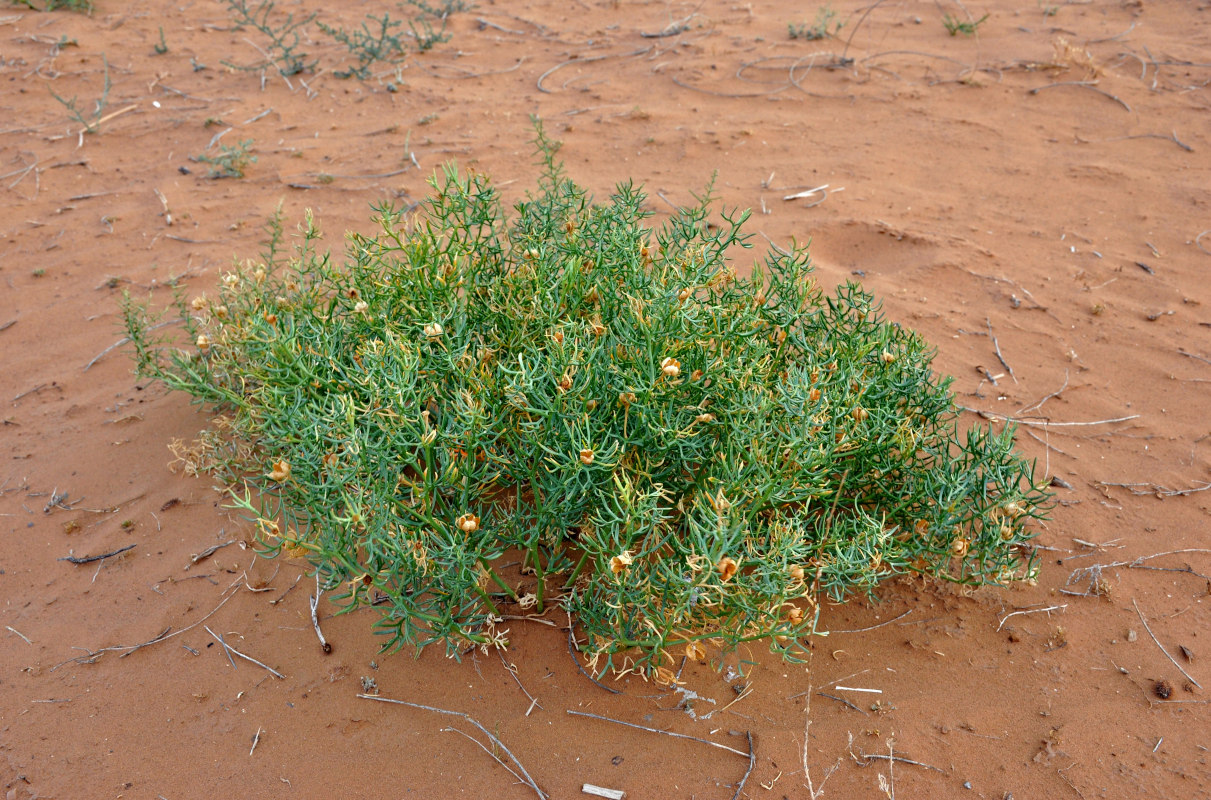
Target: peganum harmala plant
680	457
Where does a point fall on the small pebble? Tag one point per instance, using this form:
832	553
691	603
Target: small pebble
966	784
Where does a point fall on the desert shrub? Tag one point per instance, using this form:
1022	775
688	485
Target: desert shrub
682	458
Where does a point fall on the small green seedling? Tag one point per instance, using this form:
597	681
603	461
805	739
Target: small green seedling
378	42
231	160
90	122
284	39
824	26
955	26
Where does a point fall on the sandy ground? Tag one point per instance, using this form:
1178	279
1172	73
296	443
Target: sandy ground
1030	198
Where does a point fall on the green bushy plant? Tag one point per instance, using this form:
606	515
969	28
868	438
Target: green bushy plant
682	458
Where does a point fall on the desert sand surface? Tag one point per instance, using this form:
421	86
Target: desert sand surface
1032	195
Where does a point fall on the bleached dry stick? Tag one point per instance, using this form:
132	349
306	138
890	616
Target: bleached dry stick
526	776
657	730
1029	611
315	618
1144	622
244	656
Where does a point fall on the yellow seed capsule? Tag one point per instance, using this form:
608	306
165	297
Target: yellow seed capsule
434	330
959	547
859	413
727	567
280	471
203	342
704	418
888	358
626	398
467	523
361	307
683	295
621	561
670	366
586	456
796	572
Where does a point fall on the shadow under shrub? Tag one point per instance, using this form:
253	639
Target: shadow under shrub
680	457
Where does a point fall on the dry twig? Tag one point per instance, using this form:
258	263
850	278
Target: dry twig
657	730
1144	622
524	777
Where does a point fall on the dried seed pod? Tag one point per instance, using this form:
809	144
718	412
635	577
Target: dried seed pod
626	398
888	358
586	456
203	342
695	651
959	547
361	307
859	414
467	523
621	561
704	418
796	572
683	295
280	470
434	330
727	568
670	366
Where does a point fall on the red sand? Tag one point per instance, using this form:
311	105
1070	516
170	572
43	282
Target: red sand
966	188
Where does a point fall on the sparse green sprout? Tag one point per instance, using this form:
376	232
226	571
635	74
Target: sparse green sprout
681	458
422	25
230	161
284	37
161	47
380	42
89	120
955	26
81	6
826	25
